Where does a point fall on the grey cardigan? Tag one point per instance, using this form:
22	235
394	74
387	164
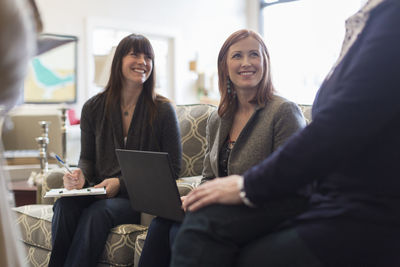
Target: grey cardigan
267	129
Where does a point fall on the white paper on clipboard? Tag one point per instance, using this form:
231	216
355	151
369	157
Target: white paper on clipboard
62	192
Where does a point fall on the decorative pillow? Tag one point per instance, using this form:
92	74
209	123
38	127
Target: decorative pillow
35	224
120	246
193	121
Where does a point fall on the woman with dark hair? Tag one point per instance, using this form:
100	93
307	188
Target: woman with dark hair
250	124
129	115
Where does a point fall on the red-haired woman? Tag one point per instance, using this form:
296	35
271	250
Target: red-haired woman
251	123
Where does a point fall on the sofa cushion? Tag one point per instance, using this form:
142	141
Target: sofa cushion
187	184
36	256
139	247
120	246
35	225
53	179
192	121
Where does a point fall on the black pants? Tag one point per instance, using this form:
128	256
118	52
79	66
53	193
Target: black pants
81	225
160	237
217	234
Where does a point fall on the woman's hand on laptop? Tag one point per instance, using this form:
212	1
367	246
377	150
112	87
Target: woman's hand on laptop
74	180
183	201
219	190
112	186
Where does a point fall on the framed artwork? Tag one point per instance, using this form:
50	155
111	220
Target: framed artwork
52	74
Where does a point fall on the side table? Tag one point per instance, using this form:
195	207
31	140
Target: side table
24	193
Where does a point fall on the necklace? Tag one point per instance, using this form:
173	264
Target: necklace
231	143
125	109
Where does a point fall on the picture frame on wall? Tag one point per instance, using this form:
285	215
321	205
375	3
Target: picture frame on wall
52	73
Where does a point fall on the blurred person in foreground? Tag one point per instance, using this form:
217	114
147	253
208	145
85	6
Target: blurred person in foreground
17	44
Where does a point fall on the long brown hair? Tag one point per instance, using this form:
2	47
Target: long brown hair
265	90
139	44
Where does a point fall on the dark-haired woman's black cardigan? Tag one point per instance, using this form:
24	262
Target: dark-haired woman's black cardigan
101	135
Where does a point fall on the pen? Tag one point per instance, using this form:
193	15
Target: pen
61	162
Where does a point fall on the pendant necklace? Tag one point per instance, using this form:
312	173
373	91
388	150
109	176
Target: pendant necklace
125	111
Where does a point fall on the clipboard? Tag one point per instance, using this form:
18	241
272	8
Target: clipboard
62	192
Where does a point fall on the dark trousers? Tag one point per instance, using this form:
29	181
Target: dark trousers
81	225
156	250
283	248
217	234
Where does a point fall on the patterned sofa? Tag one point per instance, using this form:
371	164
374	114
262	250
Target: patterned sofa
120	250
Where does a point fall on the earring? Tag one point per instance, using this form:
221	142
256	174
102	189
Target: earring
228	86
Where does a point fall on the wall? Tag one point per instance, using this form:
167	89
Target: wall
253	15
200	27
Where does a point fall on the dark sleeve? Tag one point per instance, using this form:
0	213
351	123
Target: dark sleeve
170	136
87	157
365	100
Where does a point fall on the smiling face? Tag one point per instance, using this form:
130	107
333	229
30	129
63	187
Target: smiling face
245	64
136	68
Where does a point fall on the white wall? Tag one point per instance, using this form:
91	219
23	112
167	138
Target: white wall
253	14
200	26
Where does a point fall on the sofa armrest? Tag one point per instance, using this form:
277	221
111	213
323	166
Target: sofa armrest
52	180
187	184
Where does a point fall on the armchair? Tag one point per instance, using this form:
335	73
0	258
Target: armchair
120	250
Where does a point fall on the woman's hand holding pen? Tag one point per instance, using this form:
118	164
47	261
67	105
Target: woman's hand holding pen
74	180
112	186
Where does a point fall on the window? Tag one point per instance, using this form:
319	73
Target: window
304	39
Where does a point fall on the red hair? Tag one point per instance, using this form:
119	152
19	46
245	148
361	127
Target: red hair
265	89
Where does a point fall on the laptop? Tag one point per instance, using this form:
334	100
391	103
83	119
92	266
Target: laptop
150	183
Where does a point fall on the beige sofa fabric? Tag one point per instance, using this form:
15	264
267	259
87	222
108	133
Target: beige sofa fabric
35	224
192	121
120	249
